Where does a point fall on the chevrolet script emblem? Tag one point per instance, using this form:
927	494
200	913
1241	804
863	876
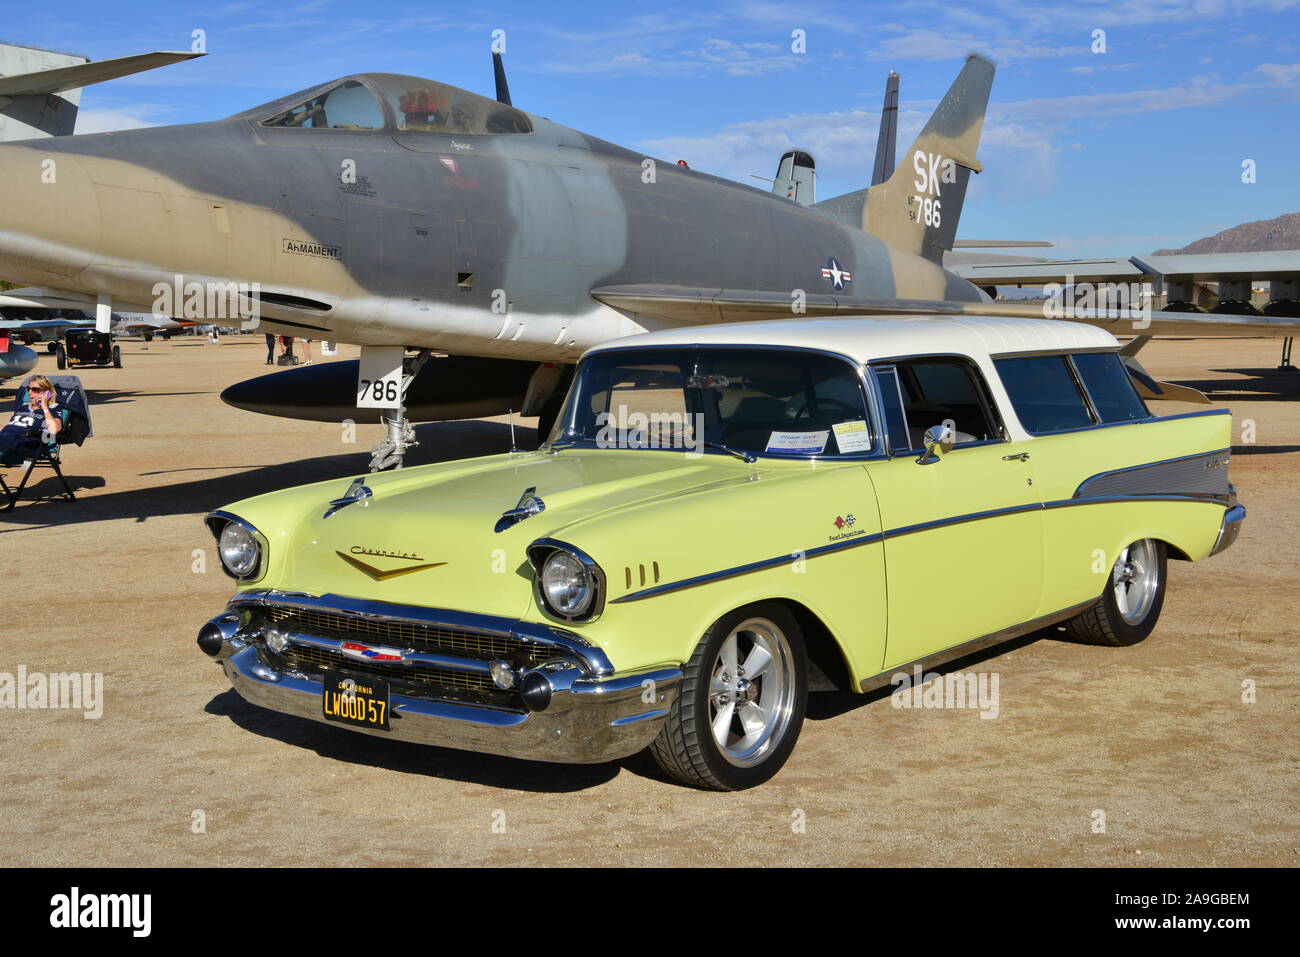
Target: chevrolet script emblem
378	574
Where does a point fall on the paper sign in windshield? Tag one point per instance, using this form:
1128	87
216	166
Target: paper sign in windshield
852	436
806	443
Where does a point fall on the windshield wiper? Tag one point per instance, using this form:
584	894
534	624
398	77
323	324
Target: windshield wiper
747	457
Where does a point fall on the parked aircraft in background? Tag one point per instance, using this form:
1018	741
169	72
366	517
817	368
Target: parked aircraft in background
400	213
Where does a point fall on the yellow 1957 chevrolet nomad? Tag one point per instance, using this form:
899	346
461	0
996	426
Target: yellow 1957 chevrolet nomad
721	518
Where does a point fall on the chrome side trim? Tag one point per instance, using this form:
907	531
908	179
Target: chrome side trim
758	566
1203	474
563	641
938	658
902	530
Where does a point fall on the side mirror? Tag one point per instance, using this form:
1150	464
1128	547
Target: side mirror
938	440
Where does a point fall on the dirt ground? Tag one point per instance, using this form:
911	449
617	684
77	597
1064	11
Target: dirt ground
1156	736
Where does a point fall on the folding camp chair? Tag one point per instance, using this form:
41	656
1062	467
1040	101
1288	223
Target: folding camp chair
68	392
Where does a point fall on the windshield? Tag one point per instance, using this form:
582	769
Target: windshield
348	106
758	401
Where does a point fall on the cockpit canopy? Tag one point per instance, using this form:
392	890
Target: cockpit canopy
376	101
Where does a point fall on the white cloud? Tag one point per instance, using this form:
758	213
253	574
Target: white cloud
932	45
1288	74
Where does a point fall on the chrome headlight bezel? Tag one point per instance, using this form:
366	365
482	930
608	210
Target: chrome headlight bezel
540	553
217	523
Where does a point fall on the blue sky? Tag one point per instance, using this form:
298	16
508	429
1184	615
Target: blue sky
1113	153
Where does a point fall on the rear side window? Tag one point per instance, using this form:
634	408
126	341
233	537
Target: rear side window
1110	387
1044	393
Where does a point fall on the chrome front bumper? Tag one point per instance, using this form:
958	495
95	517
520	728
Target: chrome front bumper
1229	528
589	716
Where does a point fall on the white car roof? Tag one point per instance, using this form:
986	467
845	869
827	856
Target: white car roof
866	339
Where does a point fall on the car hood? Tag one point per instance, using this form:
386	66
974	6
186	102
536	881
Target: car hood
427	535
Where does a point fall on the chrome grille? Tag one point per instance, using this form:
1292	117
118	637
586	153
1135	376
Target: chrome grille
406	634
318	659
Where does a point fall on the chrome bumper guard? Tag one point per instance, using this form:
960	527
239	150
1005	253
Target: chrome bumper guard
591	713
1230	528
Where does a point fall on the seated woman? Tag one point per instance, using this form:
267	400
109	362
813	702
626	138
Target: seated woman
42	413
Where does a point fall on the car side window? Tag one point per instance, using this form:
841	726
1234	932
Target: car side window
945	391
1110	387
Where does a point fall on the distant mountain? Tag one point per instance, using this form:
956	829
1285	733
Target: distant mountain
1265	235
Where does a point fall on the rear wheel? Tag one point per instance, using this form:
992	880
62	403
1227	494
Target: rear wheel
60	357
117	357
742	702
1130	605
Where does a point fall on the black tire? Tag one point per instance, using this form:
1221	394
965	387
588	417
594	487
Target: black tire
1106	623
117	357
687	748
60	357
51	347
148	337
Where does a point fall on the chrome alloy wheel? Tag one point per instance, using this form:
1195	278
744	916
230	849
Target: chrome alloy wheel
751	691
1136	580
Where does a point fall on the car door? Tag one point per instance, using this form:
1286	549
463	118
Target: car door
963	533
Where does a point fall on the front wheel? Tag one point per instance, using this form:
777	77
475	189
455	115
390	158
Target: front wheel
742	702
1130	605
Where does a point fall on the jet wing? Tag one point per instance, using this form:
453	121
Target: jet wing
697	305
29	297
1207	267
10	324
65	78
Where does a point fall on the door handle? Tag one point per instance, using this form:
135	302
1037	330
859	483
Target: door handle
1018	457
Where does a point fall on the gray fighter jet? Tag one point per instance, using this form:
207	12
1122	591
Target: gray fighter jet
394	211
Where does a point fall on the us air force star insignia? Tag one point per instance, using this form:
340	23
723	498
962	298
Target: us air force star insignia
836	273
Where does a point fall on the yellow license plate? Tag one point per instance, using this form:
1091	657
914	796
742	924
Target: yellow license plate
355	700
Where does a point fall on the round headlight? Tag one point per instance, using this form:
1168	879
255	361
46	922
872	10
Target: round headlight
240	552
566	584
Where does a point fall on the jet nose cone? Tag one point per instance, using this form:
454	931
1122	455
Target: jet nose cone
50	220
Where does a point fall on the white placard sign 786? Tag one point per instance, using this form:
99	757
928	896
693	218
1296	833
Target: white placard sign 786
379	377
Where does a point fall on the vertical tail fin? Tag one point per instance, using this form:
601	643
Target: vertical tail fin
887	141
917	208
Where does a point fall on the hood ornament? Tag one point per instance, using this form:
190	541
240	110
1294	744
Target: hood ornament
529	505
357	492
